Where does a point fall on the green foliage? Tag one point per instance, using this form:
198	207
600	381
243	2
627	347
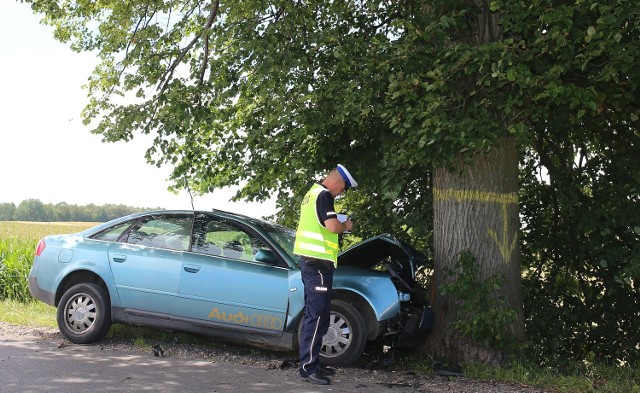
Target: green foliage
15	262
480	315
581	259
7	211
581	180
576	378
270	94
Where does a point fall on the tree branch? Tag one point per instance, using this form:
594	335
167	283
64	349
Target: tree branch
212	17
166	77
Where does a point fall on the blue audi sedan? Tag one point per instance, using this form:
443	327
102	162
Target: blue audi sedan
226	275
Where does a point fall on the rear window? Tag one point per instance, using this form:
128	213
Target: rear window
112	234
171	232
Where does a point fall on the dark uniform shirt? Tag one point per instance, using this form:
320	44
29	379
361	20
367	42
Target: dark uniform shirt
325	206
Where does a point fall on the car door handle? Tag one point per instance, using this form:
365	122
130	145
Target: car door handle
119	258
191	268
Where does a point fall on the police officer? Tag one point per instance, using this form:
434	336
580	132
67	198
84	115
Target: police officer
317	245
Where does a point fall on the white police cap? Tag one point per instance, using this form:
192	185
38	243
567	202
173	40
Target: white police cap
348	179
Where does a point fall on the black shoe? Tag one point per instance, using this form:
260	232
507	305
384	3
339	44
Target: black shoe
317	379
325	371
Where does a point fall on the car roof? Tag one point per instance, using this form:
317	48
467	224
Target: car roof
221	213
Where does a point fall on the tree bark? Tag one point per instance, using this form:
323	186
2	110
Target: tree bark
476	209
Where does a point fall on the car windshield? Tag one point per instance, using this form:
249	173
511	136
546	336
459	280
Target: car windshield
284	236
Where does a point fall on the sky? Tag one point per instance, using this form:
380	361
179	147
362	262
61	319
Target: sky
46	152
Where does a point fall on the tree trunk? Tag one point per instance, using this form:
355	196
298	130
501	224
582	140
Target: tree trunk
476	209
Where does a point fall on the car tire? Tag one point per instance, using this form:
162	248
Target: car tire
346	338
84	313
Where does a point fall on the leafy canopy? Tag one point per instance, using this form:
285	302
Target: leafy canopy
269	94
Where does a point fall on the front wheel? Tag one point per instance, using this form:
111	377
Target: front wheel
84	313
346	338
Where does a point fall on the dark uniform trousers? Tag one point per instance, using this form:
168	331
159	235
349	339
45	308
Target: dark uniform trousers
317	277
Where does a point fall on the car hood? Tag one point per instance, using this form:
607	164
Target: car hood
384	250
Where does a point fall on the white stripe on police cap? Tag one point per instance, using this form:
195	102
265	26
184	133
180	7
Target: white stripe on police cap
348	179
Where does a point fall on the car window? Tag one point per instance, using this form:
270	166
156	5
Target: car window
171	232
284	236
111	234
221	238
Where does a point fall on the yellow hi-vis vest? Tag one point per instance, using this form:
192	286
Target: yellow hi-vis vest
312	238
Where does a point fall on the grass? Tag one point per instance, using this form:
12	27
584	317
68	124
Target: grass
32	314
583	379
593	379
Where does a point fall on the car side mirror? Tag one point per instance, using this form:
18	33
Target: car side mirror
266	256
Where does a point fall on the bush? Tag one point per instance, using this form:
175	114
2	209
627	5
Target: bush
483	317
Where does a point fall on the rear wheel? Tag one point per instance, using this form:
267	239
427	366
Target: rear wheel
346	338
84	313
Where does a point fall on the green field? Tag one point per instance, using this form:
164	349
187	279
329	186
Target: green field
18	241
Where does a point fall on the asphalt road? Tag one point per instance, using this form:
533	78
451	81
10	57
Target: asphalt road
28	364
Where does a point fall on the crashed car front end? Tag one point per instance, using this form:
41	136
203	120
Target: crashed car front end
406	319
411	326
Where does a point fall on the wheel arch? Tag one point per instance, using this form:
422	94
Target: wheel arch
365	309
77	277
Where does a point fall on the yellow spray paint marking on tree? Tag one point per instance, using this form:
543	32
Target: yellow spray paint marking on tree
506	248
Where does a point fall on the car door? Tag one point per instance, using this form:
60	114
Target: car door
147	261
222	282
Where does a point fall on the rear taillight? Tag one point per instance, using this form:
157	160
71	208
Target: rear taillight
40	247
